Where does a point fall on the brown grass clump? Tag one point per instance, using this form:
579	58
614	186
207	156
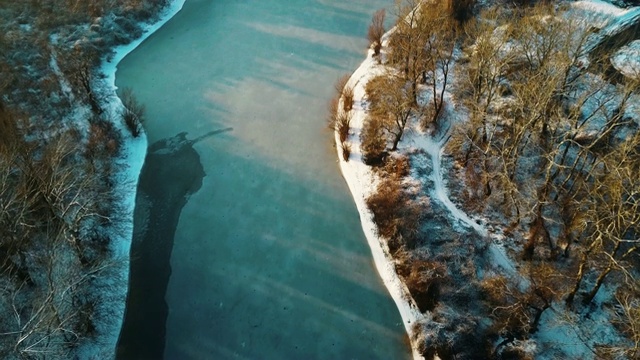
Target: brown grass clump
343	121
132	112
346	151
347	98
396	217
333	112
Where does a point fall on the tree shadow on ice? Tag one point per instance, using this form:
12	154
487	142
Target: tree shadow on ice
171	173
293	280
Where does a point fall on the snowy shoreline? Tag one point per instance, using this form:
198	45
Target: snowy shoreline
126	178
362	183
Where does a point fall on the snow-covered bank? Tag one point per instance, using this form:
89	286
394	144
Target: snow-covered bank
109	314
361	183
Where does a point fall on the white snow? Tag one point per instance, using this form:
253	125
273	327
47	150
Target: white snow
434	149
110	316
627	59
598	7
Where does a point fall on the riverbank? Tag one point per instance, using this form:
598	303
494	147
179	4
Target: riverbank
362	183
109	314
474	248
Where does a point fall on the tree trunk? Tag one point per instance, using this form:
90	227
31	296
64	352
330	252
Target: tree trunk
597	286
396	140
583	262
536	319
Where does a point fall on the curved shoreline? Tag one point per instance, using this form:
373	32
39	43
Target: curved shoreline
362	183
126	181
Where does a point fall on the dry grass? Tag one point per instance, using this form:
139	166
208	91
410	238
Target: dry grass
395	215
373	142
424	280
347	98
343	121
132	112
346	151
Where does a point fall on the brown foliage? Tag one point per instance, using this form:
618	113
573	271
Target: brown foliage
346	151
347	98
343	121
396	217
332	118
424	280
373	142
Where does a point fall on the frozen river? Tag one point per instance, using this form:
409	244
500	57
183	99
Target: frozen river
247	243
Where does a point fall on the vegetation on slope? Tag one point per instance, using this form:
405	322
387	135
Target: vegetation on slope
547	154
58	211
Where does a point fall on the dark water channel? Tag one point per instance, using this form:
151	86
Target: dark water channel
247	244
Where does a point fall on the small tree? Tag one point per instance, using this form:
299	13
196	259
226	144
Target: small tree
376	30
391	103
132	112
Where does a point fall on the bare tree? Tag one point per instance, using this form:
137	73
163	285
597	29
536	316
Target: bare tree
376	30
391	103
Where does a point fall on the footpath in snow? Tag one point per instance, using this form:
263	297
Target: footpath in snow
362	183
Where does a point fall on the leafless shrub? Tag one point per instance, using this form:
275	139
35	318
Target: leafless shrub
396	217
397	167
343	122
346	151
347	98
332	118
509	311
132	112
376	31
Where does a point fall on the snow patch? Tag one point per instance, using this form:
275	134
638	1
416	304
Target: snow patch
627	60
